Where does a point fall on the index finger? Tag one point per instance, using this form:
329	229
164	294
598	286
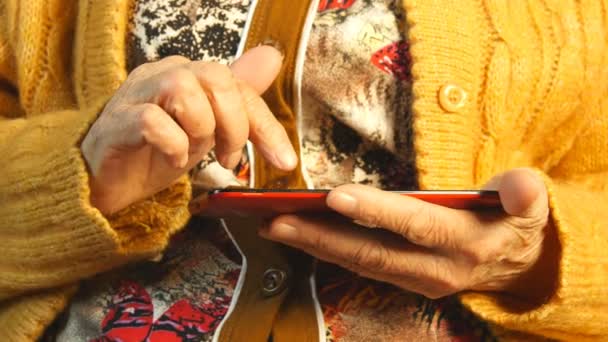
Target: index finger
422	223
265	131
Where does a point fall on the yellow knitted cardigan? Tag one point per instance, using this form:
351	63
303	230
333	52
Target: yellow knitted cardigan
535	76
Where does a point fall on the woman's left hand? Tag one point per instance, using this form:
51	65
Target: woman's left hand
426	248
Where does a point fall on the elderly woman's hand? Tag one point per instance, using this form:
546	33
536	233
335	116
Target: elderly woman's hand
425	248
169	114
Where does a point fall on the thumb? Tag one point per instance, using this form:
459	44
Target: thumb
258	67
522	193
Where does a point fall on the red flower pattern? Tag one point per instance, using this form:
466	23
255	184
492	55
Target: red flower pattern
130	318
327	5
394	59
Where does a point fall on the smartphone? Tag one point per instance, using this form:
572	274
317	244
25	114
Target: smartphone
268	203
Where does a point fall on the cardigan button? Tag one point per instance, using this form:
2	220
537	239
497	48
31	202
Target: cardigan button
452	98
273	282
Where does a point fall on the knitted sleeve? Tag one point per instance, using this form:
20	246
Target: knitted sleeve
544	99
577	308
50	234
506	84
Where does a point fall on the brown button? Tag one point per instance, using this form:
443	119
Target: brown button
273	281
452	97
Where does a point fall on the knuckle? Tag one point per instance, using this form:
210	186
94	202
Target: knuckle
402	224
175	59
485	251
141	70
218	70
370	255
404	221
158	66
220	78
267	127
148	117
179	81
176	108
476	255
425	223
433	232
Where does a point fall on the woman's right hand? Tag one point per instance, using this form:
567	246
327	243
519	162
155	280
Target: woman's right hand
169	114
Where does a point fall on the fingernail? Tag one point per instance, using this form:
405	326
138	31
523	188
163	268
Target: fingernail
342	202
365	224
286	157
280	231
275	44
231	160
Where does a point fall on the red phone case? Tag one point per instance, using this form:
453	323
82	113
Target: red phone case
268	203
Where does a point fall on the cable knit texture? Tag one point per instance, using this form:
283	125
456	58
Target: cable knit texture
52	86
536	75
531	80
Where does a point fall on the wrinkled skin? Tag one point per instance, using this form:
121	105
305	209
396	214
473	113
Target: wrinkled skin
429	249
168	114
